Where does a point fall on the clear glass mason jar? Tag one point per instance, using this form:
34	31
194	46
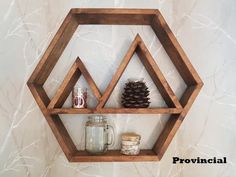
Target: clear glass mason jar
98	135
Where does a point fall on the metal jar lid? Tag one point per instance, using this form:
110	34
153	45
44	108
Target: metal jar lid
96	120
130	137
129	143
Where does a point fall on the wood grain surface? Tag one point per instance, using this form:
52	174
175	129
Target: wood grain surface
178	108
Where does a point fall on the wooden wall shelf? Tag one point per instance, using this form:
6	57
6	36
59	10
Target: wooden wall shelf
116	111
177	108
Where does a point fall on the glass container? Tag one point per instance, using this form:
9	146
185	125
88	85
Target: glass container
79	97
98	135
130	143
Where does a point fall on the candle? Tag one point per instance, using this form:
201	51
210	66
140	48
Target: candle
130	143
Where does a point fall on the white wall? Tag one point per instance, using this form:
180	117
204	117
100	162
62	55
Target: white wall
206	29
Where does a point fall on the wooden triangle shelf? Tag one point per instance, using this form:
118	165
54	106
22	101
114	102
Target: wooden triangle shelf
69	82
78	69
177	108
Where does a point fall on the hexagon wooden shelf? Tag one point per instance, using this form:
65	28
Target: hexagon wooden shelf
177	108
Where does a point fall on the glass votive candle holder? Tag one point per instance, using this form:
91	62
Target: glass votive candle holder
79	97
130	143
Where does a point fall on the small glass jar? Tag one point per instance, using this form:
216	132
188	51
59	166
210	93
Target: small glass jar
79	97
130	143
98	135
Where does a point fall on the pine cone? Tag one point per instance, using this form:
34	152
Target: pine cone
135	95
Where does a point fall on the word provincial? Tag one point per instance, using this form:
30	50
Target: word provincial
198	160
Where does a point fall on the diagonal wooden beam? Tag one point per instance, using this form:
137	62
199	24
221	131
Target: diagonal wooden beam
54	50
187	72
175	121
54	121
66	87
118	73
76	70
174	50
88	78
151	67
156	75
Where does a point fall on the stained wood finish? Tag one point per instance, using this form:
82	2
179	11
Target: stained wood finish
69	82
89	79
54	121
54	50
114	11
175	51
175	121
66	87
156	75
51	108
115	16
118	74
114	156
116	111
149	63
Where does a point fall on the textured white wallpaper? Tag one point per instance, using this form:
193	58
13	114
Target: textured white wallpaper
206	29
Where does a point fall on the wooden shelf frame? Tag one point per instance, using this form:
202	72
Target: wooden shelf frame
177	108
69	82
115	111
